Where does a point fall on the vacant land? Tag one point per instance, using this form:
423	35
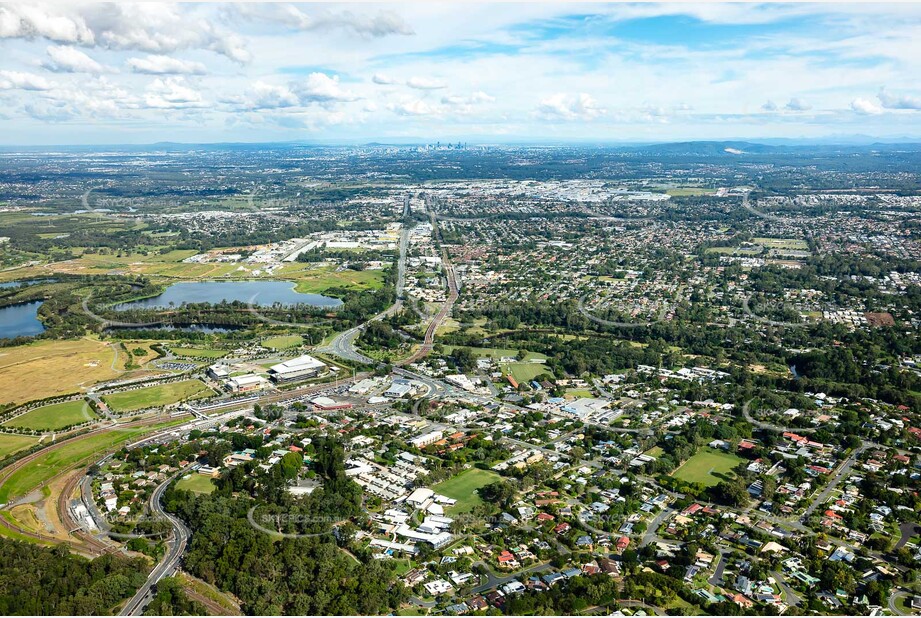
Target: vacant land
48	368
57	460
464	486
156	396
10	444
708	466
196	483
283	342
55	416
319	280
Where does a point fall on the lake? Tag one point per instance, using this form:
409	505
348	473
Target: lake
259	293
208	329
20	320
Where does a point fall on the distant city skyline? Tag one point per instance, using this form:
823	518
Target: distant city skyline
518	72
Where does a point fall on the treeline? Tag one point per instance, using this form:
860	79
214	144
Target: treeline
41	581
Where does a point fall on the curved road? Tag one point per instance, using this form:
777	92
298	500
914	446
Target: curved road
168	564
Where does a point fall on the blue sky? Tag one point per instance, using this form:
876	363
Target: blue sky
125	73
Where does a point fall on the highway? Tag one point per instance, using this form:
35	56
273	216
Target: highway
176	547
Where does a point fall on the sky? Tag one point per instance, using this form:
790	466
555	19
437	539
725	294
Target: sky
73	73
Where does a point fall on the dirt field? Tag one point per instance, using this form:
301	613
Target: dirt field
48	368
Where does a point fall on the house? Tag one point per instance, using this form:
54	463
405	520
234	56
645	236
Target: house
507	560
622	543
562	528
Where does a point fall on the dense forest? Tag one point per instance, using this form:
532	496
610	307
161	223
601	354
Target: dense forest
51	581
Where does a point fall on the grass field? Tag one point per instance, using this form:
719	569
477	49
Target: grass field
525	372
54	416
316	281
706	465
783	243
10	444
689	191
283	342
156	396
496	353
50	464
463	488
199	352
196	483
48	368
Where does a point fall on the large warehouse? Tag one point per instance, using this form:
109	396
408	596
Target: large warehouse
299	368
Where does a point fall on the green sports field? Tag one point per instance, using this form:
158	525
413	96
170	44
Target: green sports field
196	483
705	465
463	488
55	416
156	396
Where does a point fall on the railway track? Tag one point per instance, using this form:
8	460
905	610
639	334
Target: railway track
87	543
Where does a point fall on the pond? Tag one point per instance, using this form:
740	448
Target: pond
24	283
20	320
259	293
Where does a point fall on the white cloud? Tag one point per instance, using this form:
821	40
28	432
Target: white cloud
320	87
865	107
317	88
898	102
412	107
563	106
65	59
15	80
156	64
382	79
172	93
155	28
770	106
797	105
425	83
21	21
266	96
381	24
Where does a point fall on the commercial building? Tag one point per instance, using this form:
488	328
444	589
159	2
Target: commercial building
299	368
246	383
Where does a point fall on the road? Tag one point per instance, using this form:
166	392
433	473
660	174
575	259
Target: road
790	596
494	581
840	474
176	547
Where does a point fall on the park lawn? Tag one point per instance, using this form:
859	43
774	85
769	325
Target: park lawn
51	463
196	483
655	451
55	416
464	486
525	372
10	444
49	368
706	465
199	352
157	396
283	342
